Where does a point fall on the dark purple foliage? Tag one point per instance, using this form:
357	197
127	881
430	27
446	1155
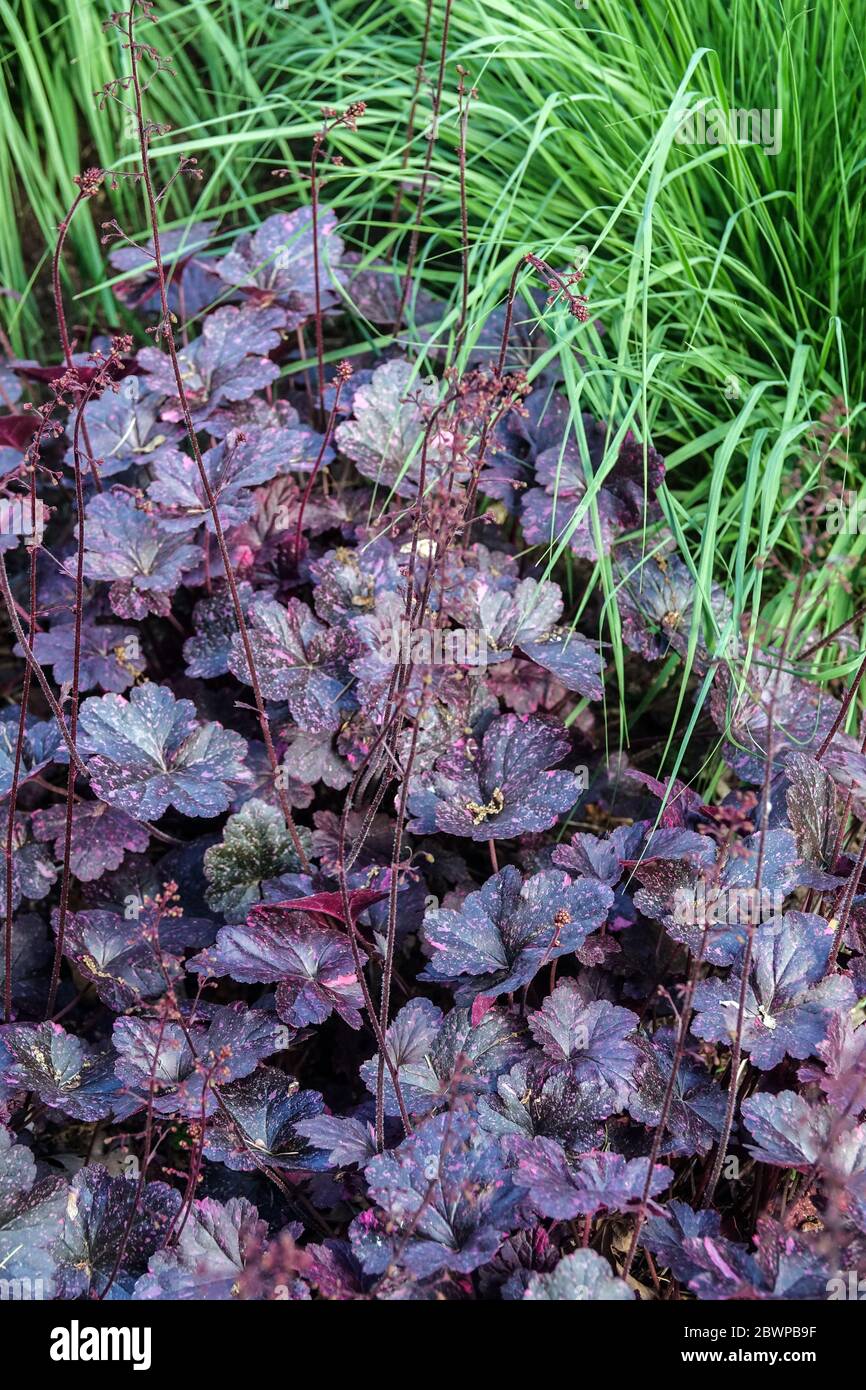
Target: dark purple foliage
788	1002
562	1188
258	1122
564	471
582	1276
128	546
110	655
64	1072
501	789
184	1063
121	959
449	1200
209	1256
150	752
274	264
311	965
107	1218
226	364
504	934
406	824
592	1038
101	836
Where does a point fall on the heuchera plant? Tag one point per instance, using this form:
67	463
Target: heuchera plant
341	951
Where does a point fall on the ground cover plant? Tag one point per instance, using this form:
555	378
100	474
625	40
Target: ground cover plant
428	872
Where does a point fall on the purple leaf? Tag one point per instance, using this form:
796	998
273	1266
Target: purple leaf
769	705
660	605
502	788
790	1133
191	283
131	547
295	661
227	363
436	1056
533	1100
594	1182
667	1233
620	500
40	743
813	810
591	1037
210	1254
214	621
274	264
64	1072
259	1119
347	582
124	428
503	934
110	655
31	1212
581	1276
448	1200
184	1063
101	835
383	439
238	463
788	1005
150	752
121	959
697	1108
312	965
107	1218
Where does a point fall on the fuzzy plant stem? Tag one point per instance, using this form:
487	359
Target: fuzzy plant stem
831	636
425	177
74	697
391	937
463	99
16	777
148	1153
847	701
343	883
737	1047
413	108
153	218
37	670
319	330
667	1101
311	481
60	314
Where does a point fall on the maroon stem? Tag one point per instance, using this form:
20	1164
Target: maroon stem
413	109
463	125
847	701
37	670
60	313
320	339
96	384
16	776
425	177
153	215
737	1048
308	490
